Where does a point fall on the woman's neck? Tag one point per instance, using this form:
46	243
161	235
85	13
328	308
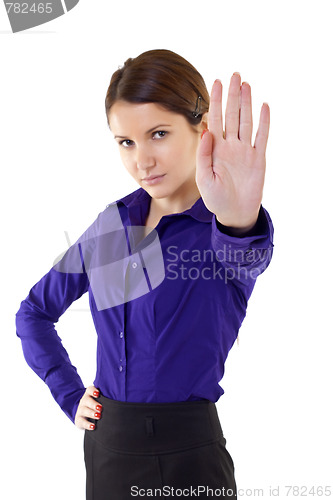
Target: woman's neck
174	204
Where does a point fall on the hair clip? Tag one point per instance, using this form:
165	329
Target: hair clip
197	110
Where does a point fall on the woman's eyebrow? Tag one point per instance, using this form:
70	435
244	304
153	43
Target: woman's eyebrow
148	131
158	126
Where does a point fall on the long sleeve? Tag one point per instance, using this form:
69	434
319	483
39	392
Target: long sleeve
244	258
67	281
42	347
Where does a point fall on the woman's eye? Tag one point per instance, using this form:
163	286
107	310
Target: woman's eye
159	134
126	143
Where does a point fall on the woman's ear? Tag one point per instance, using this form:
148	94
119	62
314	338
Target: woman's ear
204	121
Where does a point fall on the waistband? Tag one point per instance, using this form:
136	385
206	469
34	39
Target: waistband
150	428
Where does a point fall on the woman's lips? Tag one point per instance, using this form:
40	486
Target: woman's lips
154	179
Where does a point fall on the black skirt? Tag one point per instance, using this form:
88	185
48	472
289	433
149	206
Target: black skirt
157	450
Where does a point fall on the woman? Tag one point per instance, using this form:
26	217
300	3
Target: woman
169	269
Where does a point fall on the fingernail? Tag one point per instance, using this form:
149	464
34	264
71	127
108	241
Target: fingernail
96	394
98	407
203	133
236	73
97	415
92	426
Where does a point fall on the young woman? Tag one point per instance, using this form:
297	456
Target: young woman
169	269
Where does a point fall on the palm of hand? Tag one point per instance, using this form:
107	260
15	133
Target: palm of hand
230	171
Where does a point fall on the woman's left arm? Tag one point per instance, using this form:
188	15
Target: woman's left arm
230	171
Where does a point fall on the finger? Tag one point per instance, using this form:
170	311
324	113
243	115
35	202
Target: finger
204	171
232	108
92	391
89	400
87	412
245	120
261	139
215	120
91	403
83	423
85	418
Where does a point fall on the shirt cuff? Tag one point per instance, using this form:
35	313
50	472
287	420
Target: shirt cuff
248	254
66	388
260	226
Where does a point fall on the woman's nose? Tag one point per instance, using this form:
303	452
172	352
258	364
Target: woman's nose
144	158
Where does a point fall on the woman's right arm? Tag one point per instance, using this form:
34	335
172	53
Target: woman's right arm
42	347
48	300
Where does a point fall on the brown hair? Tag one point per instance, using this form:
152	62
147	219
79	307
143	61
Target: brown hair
163	77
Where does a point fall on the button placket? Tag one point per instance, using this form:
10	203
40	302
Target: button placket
122	361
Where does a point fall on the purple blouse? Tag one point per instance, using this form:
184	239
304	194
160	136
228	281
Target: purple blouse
166	307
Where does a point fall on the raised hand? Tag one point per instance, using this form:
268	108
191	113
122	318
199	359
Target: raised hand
230	171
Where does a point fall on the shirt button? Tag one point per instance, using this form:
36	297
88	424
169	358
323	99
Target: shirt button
121	334
134	265
120	368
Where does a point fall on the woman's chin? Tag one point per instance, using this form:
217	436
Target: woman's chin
156	191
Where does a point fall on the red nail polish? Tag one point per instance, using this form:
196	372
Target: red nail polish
97	415
203	133
98	407
96	394
92	426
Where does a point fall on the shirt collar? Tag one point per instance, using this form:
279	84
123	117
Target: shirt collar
198	211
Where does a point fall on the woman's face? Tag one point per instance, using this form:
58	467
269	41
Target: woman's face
158	144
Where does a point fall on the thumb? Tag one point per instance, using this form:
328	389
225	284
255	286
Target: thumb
204	170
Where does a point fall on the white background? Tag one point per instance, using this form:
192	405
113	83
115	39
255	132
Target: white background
60	167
